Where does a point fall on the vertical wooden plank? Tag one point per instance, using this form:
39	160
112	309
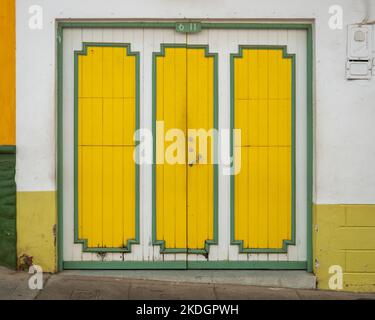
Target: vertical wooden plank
204	121
107	193
243	192
119	112
170	82
92	68
262	76
243	117
97	195
253	125
254	212
180	70
109	62
263	117
91	129
81	207
193	171
72	41
129	194
263	197
129	118
109	169
274	240
87	184
302	161
108	121
159	150
117	197
242	77
118	69
284	123
129	79
253	63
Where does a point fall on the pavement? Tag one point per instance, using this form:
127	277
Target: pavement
104	286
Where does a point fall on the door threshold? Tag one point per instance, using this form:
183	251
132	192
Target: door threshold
296	279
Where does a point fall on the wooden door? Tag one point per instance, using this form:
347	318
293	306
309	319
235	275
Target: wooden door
185	214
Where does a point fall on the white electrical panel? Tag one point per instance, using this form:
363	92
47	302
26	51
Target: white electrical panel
358	70
359	42
359	63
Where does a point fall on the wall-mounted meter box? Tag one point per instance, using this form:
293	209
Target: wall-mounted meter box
359	62
359	42
358	70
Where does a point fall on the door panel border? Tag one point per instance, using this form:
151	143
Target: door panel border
308	27
84	242
209	242
285	242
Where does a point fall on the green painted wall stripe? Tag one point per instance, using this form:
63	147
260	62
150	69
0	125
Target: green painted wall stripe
8	235
286	242
84	242
7	149
213	241
173	265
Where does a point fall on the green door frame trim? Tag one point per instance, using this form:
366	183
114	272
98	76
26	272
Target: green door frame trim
126	246
173	265
308	265
208	242
286	242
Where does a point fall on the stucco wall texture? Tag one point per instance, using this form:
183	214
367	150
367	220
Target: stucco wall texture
344	174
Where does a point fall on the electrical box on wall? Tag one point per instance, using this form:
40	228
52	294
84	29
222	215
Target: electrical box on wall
359	63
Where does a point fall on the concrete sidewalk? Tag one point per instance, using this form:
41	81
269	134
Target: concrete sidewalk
68	286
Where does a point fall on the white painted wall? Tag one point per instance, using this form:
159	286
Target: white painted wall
344	110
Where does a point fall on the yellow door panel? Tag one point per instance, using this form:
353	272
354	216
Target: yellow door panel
106	171
91	196
184	193
90	81
90	121
200	80
263	112
171	178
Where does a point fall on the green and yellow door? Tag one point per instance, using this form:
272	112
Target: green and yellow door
225	184
185	175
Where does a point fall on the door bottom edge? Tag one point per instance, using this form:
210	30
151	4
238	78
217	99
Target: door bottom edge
178	265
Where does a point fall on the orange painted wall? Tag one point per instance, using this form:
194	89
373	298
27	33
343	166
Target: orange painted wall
7	73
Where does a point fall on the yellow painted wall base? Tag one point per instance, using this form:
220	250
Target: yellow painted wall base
36	221
344	235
